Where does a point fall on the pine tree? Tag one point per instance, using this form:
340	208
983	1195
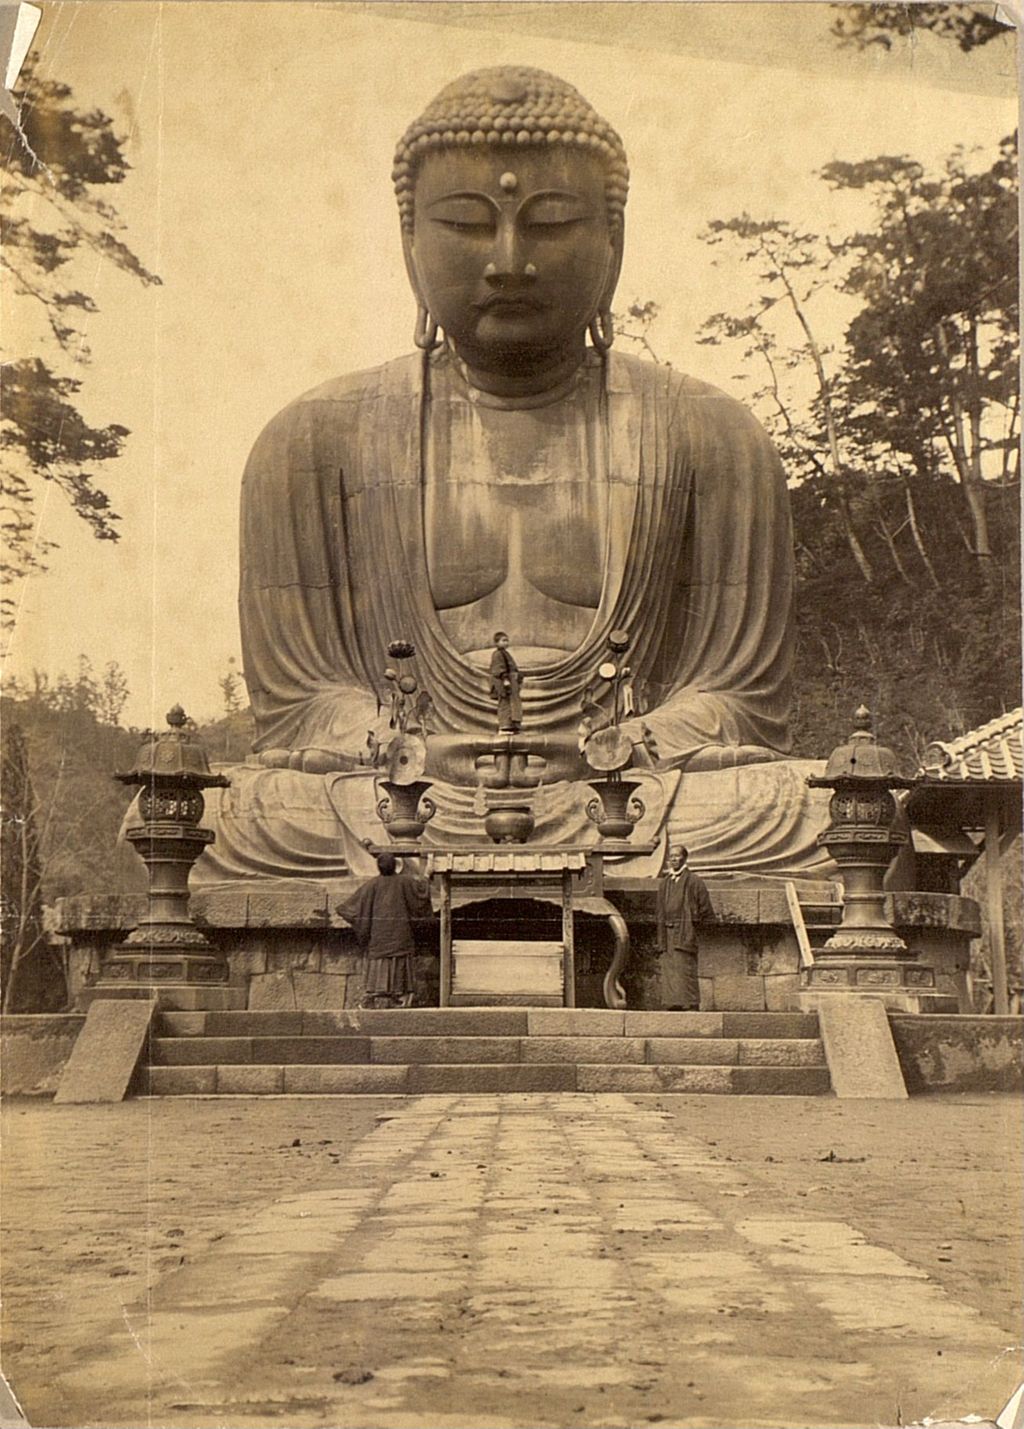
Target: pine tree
59	163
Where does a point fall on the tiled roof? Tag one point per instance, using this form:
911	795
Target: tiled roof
992	754
505	860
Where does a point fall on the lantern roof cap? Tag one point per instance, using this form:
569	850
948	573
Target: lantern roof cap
173	756
861	757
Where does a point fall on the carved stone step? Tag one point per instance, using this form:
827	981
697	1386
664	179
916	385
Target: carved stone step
490	1022
381	1051
436	1078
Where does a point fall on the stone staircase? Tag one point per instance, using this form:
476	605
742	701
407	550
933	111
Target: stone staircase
459	1050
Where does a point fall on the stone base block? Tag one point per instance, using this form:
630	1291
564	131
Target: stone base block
199	1051
575	1022
781	1052
960	1054
673	1024
859	1047
583	1049
181	1081
781	1081
665	1078
769	1024
34	1048
345	1081
480	1077
782	992
894	1000
250	1081
172	997
693	1051
414	1050
737	993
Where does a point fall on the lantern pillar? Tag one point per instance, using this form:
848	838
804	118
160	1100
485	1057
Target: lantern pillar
166	954
865	956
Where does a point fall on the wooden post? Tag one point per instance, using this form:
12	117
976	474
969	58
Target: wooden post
568	942
446	939
994	898
796	914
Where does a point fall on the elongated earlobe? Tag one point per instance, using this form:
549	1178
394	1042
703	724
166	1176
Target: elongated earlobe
602	331
425	336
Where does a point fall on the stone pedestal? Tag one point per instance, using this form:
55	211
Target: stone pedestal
166	950
287	946
901	983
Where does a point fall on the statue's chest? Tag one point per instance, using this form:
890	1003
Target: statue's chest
515	495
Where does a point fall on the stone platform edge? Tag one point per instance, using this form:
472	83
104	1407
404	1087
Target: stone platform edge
291	904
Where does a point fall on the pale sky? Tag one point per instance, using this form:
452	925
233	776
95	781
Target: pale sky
260	138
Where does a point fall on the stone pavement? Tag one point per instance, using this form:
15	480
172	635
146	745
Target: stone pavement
539	1260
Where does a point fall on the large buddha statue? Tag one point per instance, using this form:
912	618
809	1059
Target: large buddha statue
515	473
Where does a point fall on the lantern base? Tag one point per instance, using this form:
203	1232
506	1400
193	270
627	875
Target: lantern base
154	957
902	983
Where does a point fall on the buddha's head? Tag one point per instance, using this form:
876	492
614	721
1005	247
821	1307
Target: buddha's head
511	190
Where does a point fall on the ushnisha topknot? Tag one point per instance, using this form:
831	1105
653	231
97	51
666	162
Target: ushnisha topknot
511	106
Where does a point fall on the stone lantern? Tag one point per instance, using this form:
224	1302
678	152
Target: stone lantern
167	950
865	954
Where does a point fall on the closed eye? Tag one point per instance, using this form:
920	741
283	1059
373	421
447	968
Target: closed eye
464	212
461	225
554	210
551	225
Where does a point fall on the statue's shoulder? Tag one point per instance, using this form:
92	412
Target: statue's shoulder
680	391
328	426
332	401
703	422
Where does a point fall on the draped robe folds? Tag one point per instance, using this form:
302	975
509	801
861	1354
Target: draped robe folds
698	568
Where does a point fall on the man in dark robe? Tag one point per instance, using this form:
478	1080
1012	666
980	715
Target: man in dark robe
381	913
683	902
505	685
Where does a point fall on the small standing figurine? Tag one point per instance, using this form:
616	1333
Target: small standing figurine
505	682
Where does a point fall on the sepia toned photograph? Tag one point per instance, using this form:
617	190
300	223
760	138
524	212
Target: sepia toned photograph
511	726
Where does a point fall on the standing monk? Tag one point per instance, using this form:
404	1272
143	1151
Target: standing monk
381	913
683	901
505	680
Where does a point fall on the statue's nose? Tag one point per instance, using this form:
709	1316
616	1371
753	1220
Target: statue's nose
507	265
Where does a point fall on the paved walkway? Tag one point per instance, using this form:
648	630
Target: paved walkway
540	1260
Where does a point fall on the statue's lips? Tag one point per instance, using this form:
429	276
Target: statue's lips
510	303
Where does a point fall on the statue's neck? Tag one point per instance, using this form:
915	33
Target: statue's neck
535	380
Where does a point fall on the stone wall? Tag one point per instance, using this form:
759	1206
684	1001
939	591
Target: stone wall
960	1054
33	1050
287	947
750	960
